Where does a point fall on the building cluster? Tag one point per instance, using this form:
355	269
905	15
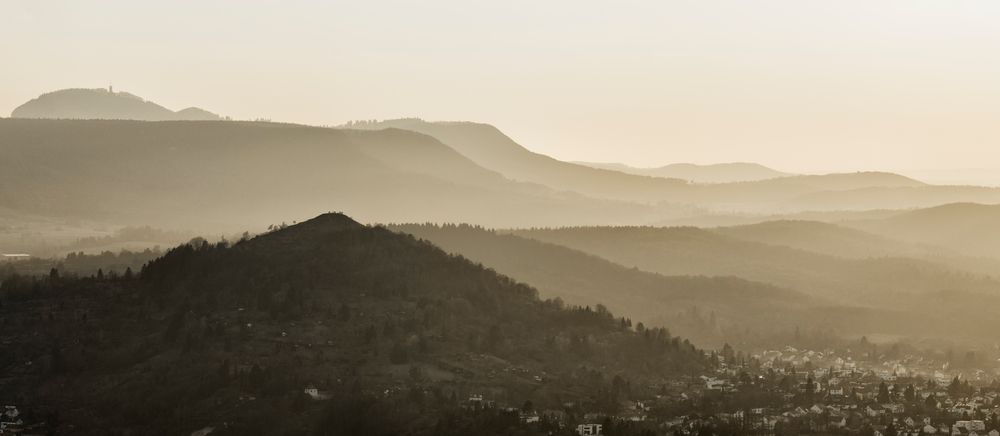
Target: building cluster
814	392
14	257
14	422
809	392
786	392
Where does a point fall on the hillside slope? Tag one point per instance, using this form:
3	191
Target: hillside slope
846	240
969	228
725	306
824	238
902	289
875	282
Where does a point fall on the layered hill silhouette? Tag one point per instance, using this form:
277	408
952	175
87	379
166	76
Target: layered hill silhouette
103	104
203	175
199	176
846	241
489	147
963	235
909	288
826	238
234	333
899	197
853	297
708	310
689	250
711	173
970	228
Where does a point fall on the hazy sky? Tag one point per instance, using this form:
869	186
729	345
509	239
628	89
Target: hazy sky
796	84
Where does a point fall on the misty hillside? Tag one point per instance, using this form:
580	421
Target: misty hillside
893	198
846	181
728	219
973	229
712	173
831	194
491	148
371	315
875	282
858	298
825	238
844	240
725	303
103	104
794	193
203	175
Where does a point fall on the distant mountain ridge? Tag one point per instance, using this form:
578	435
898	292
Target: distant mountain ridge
79	103
968	228
182	174
712	173
490	148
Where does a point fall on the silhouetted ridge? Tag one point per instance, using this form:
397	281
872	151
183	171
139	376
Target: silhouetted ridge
760	194
103	104
489	147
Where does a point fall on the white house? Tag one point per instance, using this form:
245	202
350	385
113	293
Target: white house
14	257
316	394
714	384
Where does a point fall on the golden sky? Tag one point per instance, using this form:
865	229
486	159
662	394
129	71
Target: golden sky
796	84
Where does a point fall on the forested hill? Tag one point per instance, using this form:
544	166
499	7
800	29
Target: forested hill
218	333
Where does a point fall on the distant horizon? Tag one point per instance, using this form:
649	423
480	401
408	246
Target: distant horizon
976	176
778	82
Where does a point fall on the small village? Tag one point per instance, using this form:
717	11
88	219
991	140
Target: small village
14	422
813	392
789	392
